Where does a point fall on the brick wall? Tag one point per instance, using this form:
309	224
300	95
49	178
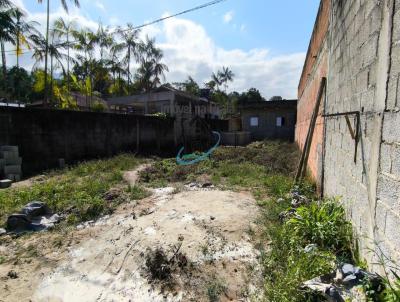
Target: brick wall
363	75
315	68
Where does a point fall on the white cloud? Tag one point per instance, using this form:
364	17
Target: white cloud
189	50
228	17
243	28
100	6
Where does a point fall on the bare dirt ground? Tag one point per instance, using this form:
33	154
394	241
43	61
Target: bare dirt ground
192	245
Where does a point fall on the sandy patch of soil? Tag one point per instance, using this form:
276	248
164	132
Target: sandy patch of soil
203	235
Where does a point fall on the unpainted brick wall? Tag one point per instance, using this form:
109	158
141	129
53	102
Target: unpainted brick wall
359	44
315	68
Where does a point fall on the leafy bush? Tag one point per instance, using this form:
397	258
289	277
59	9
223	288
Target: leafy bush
323	224
319	226
392	291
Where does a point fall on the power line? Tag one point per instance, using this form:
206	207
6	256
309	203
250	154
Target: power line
205	5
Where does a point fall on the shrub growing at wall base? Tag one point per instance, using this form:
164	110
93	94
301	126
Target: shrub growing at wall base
306	245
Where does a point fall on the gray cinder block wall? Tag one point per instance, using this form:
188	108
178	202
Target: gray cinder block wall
364	76
45	136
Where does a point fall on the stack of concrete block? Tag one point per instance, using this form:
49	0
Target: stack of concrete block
10	163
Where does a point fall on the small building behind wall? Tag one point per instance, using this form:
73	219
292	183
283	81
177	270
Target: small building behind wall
269	120
166	100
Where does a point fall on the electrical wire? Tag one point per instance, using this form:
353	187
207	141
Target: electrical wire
205	5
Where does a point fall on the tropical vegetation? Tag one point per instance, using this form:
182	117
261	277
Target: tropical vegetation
69	60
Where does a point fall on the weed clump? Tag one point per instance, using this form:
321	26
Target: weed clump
161	266
81	193
308	243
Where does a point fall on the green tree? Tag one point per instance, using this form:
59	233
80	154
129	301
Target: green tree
86	43
252	95
64	4
65	29
56	60
189	86
225	76
104	39
7	28
130	42
23	33
151	69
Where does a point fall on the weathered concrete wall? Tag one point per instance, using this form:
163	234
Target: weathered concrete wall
315	68
267	114
44	136
388	188
360	60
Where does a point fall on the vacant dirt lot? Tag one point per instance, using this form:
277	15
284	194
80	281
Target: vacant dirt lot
191	245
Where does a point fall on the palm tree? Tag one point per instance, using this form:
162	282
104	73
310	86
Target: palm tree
86	43
7	28
216	80
116	66
65	29
56	56
225	76
64	4
105	40
22	32
151	69
130	42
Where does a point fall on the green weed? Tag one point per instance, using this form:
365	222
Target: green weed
287	263
215	289
137	192
78	190
323	224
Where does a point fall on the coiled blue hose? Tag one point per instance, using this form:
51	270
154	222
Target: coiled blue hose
187	160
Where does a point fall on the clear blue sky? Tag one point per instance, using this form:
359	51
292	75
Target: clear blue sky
280	28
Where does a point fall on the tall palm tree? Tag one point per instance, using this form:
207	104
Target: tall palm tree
7	27
115	65
216	80
57	58
23	31
226	75
64	4
131	42
63	28
104	39
151	69
86	43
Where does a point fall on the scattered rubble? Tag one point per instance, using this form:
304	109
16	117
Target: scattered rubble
297	200
12	275
343	285
35	216
196	186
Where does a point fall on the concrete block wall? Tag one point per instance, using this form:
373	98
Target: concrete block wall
363	75
44	136
388	187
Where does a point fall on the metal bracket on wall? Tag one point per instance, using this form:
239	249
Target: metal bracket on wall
355	135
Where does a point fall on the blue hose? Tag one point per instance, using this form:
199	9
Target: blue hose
197	159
